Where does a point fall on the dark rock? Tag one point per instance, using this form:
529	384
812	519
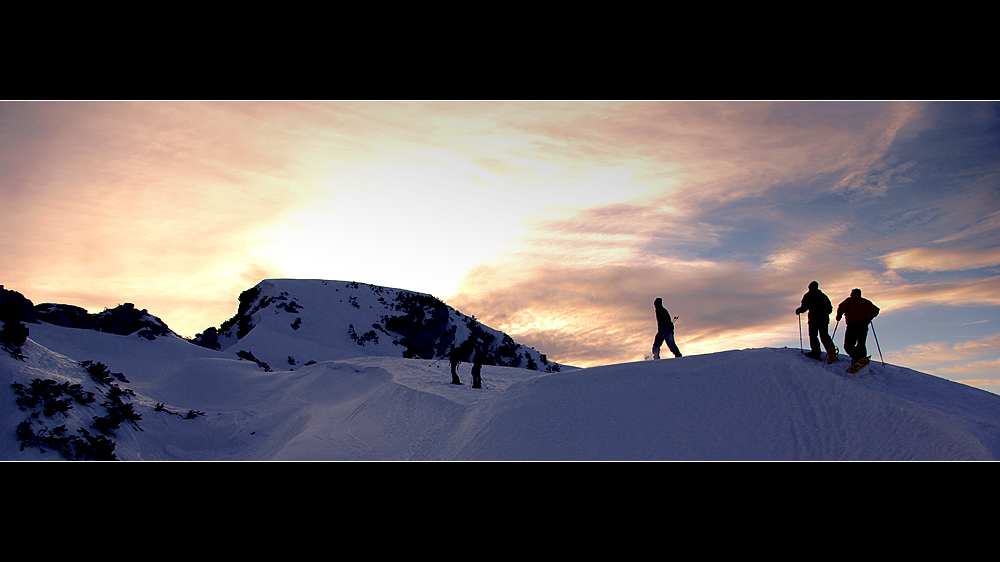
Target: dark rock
122	320
14	307
209	338
65	315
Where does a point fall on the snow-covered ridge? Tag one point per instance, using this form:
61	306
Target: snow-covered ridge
191	403
93	394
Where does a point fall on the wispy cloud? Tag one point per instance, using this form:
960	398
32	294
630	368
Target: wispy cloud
974	292
975	247
943	259
964	361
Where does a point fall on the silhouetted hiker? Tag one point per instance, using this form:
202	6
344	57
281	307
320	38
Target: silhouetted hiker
477	369
457	355
664	330
477	366
819	307
859	312
455	359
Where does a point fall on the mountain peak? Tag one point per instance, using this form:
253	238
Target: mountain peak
291	321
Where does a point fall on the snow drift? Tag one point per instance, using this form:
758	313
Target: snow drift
197	403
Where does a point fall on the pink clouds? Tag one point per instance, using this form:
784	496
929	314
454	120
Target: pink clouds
965	360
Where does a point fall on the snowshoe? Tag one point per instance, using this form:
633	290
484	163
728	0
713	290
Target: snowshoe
831	355
858	365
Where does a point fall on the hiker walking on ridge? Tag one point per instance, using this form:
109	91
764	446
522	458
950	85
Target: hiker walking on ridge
859	312
664	330
472	350
456	356
477	369
819	307
479	356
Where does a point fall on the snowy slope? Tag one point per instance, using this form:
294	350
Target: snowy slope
759	404
763	404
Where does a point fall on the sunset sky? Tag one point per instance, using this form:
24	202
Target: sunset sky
557	222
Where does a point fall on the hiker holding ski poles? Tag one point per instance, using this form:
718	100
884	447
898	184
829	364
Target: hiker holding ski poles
859	313
819	307
457	355
472	350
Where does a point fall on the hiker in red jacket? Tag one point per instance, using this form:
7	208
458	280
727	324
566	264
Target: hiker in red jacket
859	312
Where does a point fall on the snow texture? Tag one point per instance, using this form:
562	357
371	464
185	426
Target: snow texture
356	404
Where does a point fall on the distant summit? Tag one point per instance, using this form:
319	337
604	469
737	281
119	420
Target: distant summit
292	321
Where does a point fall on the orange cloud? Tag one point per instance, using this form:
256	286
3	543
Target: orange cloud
974	292
973	247
942	259
964	361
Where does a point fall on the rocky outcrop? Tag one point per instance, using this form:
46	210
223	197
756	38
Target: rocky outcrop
122	320
14	307
125	319
65	315
242	321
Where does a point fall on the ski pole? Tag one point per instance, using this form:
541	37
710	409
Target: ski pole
835	330
876	342
799	316
443	357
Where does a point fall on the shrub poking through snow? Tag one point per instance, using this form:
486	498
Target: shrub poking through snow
47	399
